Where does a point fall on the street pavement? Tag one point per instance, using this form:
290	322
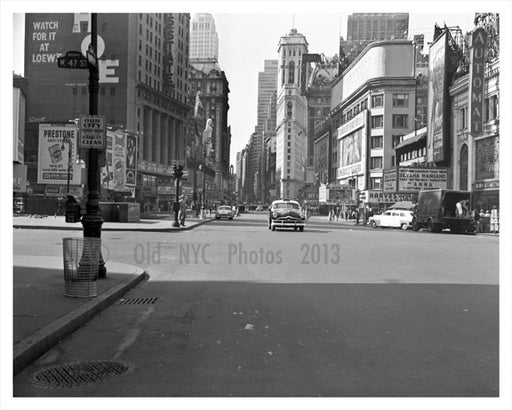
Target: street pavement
397	313
43	314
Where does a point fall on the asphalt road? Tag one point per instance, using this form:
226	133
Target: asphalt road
335	311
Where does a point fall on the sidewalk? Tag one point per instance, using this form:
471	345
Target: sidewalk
144	225
42	314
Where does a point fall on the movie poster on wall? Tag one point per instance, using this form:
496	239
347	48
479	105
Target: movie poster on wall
55	143
119	161
131	160
437	91
487	158
106	172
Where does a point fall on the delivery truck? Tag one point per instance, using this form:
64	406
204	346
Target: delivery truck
439	209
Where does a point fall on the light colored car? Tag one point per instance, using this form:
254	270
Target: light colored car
393	218
286	214
224	211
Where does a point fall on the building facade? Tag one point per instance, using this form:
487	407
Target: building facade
143	78
365	28
209	82
291	125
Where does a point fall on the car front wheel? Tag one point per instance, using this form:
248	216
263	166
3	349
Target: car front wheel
404	226
373	224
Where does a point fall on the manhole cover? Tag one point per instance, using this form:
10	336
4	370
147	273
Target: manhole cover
78	373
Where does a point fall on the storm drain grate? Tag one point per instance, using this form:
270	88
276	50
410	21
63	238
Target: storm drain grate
78	373
138	301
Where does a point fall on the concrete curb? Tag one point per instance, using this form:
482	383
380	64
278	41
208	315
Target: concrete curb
34	346
110	229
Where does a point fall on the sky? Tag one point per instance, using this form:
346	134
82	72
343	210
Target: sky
249	36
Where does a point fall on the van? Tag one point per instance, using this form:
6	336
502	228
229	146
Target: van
439	209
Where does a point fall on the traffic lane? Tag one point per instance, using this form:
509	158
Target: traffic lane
259	339
348	256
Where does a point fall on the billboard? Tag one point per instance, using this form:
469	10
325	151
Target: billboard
487	158
57	155
352	146
437	98
120	170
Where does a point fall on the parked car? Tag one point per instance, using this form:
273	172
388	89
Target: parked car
224	211
286	214
393	218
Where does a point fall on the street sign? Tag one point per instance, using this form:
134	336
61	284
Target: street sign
92	132
91	56
73	59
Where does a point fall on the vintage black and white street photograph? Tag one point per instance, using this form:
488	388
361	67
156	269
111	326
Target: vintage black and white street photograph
256	204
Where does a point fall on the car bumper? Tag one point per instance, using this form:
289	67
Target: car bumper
288	223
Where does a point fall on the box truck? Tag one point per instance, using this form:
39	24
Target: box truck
439	209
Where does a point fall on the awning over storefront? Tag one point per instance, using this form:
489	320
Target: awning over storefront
420	135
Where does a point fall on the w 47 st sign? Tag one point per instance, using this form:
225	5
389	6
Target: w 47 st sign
92	132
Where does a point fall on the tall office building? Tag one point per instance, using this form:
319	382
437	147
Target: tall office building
364	28
291	120
143	85
267	85
204	40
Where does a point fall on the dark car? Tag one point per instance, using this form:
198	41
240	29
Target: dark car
286	214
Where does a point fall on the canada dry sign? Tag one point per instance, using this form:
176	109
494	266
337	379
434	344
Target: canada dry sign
92	132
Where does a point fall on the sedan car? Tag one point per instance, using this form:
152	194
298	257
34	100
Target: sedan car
224	211
395	218
286	214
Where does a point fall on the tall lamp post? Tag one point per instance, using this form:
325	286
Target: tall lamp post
178	173
92	220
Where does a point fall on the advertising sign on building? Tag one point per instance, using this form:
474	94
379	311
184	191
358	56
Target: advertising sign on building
352	146
487	158
92	132
57	155
476	80
437	96
414	179
379	197
119	172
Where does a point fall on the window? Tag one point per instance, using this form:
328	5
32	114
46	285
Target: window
112	90
491	108
291	72
376	142
74	91
393	161
396	139
463	118
400	120
400	100
377	100
375	183
377	121
376	163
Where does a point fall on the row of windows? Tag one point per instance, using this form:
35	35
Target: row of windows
398	121
103	90
420	152
399	100
491	112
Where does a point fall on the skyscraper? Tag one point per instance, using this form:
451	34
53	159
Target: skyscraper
291	132
204	40
364	28
267	85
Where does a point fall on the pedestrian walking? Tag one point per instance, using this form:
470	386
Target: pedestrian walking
182	214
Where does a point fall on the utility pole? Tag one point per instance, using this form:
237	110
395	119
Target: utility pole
93	220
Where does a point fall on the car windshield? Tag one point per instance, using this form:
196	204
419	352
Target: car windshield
224	208
286	205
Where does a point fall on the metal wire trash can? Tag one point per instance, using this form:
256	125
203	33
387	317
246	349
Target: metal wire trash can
81	265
